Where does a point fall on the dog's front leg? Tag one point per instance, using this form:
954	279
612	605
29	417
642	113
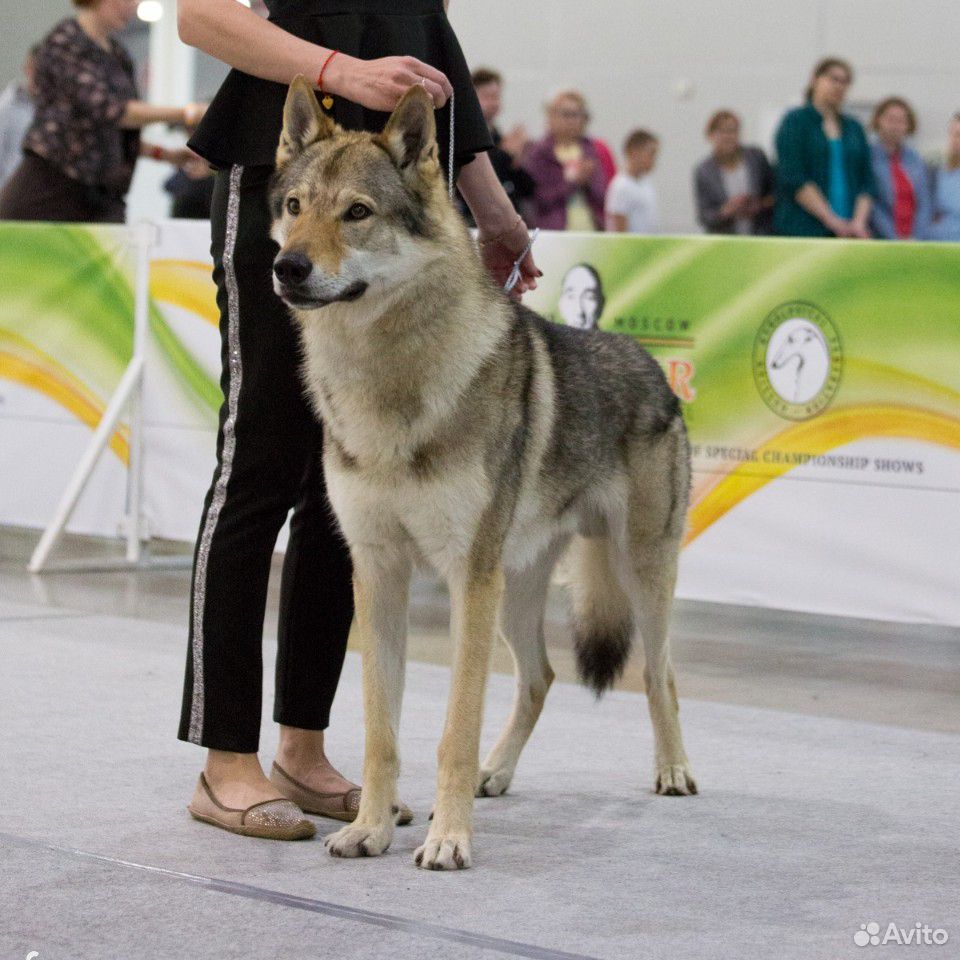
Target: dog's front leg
474	599
380	590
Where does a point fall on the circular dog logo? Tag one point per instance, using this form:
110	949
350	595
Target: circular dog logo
797	360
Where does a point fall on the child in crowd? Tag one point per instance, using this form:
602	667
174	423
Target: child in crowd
631	205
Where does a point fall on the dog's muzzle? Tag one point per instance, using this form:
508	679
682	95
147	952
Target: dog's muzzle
292	272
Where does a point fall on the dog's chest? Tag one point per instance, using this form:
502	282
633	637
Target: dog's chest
437	518
442	517
375	423
374	434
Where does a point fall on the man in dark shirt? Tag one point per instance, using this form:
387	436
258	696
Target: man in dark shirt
508	149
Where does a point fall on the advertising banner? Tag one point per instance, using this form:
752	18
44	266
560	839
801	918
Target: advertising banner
66	335
821	387
820	382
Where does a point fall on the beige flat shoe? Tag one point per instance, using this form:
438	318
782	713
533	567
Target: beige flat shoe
269	819
338	806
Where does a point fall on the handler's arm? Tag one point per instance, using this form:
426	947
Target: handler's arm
489	204
495	215
496	218
234	34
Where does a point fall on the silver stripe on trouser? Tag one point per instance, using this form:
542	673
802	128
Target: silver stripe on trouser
226	461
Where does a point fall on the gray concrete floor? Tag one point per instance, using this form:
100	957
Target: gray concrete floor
827	752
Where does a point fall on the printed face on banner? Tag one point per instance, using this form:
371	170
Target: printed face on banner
581	298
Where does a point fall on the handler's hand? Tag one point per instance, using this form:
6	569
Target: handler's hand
379	84
500	256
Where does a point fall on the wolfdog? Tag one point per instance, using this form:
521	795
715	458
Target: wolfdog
463	430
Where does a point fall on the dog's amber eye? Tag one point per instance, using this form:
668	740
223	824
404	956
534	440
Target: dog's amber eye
358	212
293	206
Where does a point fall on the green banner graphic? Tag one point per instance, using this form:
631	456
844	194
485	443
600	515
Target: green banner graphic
783	351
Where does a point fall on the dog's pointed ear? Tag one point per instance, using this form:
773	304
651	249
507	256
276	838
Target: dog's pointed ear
410	136
304	122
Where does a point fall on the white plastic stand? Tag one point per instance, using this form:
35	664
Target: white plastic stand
128	396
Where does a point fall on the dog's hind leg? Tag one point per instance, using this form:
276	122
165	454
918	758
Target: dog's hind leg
475	598
521	627
381	589
653	586
648	567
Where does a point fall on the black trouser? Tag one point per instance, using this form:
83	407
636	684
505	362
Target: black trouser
268	462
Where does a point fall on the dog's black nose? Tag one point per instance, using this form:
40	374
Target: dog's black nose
292	268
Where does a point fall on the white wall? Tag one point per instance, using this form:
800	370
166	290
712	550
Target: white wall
633	57
23	25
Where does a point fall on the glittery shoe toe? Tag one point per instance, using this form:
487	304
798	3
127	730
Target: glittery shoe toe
269	819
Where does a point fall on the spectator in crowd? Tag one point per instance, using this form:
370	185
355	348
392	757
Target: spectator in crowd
734	185
946	190
568	178
508	148
16	115
824	171
81	147
631	204
191	189
902	205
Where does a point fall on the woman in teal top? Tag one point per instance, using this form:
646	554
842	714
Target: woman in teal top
824	173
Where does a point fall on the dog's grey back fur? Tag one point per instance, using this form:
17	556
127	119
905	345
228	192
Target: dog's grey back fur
608	397
609	391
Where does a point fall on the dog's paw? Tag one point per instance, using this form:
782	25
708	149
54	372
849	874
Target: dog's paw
675	780
494	783
359	840
444	853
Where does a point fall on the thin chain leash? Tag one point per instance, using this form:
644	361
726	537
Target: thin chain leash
450	153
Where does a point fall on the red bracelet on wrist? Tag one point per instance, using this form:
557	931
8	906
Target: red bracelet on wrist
156	153
327	100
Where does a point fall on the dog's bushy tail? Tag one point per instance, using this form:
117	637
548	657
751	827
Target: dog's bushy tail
602	619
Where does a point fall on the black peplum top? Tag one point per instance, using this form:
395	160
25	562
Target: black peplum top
242	125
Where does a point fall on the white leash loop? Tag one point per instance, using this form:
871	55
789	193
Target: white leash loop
515	272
